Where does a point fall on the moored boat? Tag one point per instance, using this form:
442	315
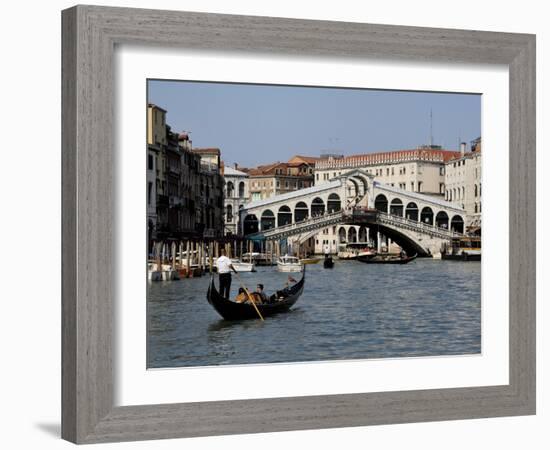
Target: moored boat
386	259
279	302
354	250
164	272
289	264
463	249
240	266
310	260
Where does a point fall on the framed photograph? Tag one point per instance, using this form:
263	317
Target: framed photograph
277	224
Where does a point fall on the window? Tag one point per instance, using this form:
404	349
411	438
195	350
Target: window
317	176
441	188
149	192
442	171
420	186
150	165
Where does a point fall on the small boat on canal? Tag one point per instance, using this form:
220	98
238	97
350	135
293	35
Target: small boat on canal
289	264
239	265
386	259
279	302
310	260
328	263
463	249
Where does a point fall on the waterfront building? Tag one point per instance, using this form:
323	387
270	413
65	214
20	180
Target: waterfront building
209	199
417	170
236	195
281	177
156	140
184	185
463	182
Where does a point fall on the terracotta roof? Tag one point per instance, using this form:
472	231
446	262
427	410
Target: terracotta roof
306	159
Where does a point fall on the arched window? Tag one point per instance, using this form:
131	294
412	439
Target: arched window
229	189
396	207
352	234
442	219
342	236
267	220
427	215
333	203
475	190
250	224
229	213
362	234
411	211
317	207
457	224
381	203
284	216
301	212
241	189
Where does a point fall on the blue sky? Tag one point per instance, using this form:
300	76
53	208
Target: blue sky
256	124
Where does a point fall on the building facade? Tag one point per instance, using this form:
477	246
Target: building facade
184	185
236	195
281	177
209	202
463	182
419	170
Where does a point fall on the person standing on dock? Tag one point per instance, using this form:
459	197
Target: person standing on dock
224	271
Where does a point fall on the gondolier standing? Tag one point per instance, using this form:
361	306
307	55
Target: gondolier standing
224	271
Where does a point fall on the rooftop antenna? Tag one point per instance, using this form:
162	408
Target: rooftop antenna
431	128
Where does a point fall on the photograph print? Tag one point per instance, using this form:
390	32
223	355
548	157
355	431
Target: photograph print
296	224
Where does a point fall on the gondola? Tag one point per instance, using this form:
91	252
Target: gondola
385	259
328	263
231	310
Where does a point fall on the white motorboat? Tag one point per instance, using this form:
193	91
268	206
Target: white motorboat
240	266
355	250
289	264
243	266
163	273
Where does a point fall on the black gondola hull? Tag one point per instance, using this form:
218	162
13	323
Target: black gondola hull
231	310
377	260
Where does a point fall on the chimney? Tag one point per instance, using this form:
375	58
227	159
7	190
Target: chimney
462	148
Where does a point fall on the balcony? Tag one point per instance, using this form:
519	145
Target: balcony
162	201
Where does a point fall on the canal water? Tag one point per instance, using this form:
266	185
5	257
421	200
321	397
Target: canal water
353	311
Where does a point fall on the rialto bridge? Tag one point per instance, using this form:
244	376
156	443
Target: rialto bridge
417	222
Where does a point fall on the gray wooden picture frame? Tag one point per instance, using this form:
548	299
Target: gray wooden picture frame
90	34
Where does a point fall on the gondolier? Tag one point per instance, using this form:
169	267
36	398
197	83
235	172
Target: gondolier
224	271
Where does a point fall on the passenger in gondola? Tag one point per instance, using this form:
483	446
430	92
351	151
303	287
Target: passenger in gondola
241	296
260	293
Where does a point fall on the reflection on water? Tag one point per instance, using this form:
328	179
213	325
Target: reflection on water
354	310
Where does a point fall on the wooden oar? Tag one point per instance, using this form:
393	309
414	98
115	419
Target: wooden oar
249	296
